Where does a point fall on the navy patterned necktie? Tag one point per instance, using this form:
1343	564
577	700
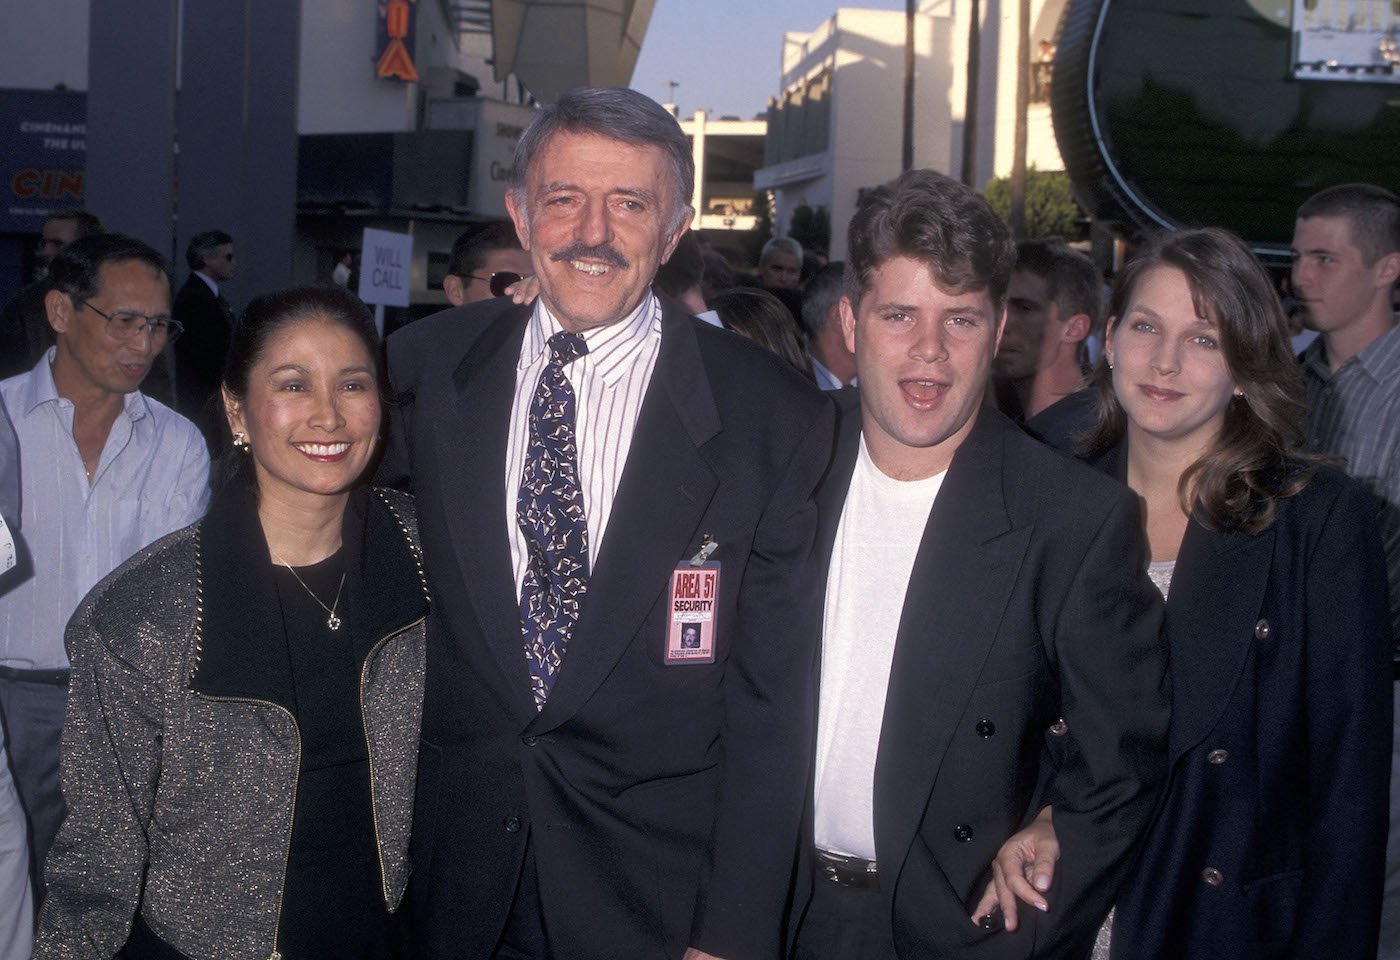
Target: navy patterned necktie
550	512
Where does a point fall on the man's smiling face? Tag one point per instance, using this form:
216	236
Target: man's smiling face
598	220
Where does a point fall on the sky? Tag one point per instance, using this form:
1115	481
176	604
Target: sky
726	55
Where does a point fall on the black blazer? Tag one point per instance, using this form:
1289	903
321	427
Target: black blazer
200	352
662	803
1271	837
1027	603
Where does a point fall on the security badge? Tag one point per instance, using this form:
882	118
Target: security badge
692	622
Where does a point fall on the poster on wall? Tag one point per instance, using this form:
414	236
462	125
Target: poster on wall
45	154
394	44
1346	40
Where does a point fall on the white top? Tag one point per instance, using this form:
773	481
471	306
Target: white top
152	478
609	383
881	527
1160	573
340	276
209	282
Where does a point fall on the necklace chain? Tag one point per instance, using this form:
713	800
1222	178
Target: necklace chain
332	620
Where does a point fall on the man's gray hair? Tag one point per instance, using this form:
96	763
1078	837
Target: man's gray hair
823	292
618	114
781	245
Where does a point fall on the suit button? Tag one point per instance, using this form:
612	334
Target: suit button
962	832
529	741
1212	876
1261	630
985	728
1059	728
512	824
1218	756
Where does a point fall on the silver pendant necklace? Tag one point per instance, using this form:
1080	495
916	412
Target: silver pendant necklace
332	620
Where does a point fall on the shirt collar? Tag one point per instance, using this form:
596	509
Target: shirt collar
208	282
1379	360
40	389
611	349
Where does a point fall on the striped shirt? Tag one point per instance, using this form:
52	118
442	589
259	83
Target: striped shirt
1355	413
152	478
609	383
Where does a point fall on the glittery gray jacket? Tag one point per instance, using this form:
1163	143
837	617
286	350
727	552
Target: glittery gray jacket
180	762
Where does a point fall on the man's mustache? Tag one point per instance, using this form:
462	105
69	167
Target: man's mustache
583	251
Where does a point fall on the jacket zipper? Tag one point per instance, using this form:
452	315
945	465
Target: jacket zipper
369	752
276	953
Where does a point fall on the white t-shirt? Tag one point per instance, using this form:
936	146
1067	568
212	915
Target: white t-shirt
881	526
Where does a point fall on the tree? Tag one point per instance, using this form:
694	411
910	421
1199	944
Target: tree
811	227
1051	210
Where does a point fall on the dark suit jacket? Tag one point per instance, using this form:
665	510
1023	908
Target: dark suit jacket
200	352
24	330
1280	741
662	803
1027	602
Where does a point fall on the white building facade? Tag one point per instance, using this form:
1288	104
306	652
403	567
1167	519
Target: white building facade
836	127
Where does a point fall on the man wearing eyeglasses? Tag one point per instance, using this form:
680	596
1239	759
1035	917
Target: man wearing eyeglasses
485	260
202	310
104	471
24	330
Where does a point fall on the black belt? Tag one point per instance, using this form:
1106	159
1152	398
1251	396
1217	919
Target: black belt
847	871
52	678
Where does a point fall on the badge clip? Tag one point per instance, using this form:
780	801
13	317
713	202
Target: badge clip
708	545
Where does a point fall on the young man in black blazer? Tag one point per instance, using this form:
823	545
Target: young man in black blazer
980	589
590	785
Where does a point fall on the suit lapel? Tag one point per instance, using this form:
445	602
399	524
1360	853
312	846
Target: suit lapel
471	440
1216	593
665	489
965	569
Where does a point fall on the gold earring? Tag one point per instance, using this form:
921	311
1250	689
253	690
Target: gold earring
240	441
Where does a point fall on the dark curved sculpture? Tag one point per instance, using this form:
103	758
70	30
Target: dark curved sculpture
1177	113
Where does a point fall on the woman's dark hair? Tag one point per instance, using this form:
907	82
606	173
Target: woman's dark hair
1257	458
762	318
270	314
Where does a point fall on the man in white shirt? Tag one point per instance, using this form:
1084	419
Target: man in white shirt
979	588
105	471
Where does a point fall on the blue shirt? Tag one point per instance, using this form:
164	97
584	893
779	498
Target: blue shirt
152	478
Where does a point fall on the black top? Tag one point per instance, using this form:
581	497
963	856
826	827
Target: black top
333	903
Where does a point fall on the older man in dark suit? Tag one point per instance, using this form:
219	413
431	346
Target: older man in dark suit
593	473
208	320
980	589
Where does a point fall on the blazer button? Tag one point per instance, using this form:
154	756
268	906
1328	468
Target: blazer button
1218	756
985	728
962	832
1059	728
530	741
1212	876
1261	630
512	824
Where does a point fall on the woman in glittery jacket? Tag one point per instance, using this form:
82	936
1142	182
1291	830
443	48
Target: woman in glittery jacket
242	731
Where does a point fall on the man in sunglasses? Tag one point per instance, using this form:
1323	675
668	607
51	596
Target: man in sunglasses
104	471
485	261
202	310
24	329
